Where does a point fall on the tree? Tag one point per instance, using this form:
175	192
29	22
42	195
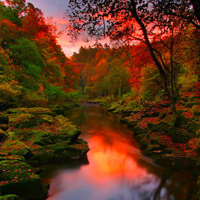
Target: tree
132	19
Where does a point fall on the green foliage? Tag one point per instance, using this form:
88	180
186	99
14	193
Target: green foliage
25	52
53	93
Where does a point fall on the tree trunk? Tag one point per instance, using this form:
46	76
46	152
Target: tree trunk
156	61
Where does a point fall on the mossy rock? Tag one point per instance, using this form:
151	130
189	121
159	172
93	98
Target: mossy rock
48	133
190	104
4	119
181	121
132	124
150	149
60	151
27	120
15	147
22	120
140	137
179	135
10	197
18	178
4	127
12	157
34	111
113	106
160	127
158	139
150	114
124	119
175	162
193	126
137	130
144	142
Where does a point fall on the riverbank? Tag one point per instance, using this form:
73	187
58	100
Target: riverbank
30	137
171	140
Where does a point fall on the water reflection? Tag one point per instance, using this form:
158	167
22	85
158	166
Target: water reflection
116	169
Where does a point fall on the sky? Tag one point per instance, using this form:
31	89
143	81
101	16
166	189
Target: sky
56	9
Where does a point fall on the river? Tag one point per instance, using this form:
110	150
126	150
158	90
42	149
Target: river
114	168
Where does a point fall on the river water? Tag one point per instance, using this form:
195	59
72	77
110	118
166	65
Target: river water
114	168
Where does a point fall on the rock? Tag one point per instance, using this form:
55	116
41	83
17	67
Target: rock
3	119
159	139
150	114
150	149
176	162
113	106
140	137
124	119
181	121
10	197
132	124
61	151
12	157
4	127
193	126
144	142
137	130
15	147
179	135
160	127
190	104
18	178
34	111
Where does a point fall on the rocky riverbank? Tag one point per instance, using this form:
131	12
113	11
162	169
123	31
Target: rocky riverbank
30	137
171	140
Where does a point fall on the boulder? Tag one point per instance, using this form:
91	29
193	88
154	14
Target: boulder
160	127
15	147
179	135
60	151
193	126
4	127
18	178
3	119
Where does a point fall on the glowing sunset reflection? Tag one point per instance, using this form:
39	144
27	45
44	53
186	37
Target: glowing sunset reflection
116	169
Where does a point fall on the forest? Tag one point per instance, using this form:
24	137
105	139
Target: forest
148	74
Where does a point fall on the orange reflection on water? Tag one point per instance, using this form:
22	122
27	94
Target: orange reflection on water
113	158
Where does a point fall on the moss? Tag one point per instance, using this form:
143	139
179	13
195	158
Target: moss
176	162
137	130
190	104
60	151
113	106
181	121
193	126
158	139
12	157
10	197
179	135
160	127
15	147
18	178
34	111
22	120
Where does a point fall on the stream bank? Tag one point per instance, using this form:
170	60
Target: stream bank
171	140
30	137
